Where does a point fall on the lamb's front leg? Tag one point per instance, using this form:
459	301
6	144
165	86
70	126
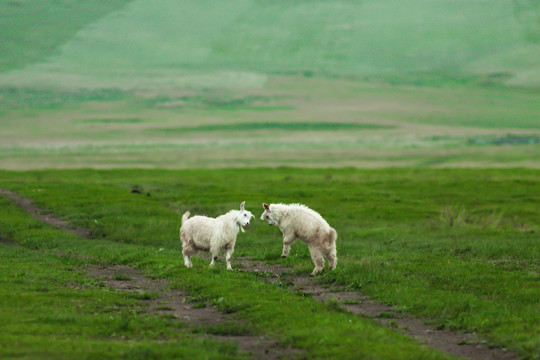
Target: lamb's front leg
288	239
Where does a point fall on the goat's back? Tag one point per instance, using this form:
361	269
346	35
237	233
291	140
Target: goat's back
200	230
305	222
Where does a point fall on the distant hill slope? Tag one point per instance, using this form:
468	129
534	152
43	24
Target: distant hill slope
208	43
32	30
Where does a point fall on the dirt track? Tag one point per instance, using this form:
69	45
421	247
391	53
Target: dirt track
174	302
465	345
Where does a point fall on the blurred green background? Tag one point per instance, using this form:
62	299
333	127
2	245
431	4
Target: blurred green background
180	84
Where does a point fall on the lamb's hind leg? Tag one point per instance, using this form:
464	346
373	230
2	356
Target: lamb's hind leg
318	259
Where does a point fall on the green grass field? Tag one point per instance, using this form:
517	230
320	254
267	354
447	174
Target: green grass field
292	121
457	247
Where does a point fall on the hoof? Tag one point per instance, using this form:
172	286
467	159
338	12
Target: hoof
283	256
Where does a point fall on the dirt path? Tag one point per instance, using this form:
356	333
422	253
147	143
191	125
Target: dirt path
39	214
466	345
175	302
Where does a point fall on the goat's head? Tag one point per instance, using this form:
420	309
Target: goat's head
269	216
243	217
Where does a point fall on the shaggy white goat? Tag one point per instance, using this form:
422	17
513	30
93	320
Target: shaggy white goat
201	233
299	221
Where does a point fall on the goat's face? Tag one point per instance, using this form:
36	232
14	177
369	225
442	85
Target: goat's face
269	216
244	217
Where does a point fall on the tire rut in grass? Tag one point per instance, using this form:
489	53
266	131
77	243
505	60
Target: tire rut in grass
202	319
40	214
466	345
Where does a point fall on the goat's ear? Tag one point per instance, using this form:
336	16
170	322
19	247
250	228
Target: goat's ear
242	205
266	207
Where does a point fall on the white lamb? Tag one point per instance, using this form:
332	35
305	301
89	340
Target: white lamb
299	221
201	233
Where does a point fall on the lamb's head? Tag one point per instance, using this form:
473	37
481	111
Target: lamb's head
269	216
243	217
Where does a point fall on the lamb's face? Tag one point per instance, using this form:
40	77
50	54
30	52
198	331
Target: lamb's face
269	216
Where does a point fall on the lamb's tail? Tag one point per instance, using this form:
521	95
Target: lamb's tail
185	216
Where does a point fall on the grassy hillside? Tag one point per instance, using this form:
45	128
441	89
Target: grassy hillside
30	31
204	44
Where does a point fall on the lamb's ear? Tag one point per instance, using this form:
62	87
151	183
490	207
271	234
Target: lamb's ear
266	207
242	205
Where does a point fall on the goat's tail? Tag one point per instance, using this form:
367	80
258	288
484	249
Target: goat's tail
332	235
185	216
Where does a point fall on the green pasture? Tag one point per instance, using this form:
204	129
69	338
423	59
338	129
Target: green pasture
292	121
458	247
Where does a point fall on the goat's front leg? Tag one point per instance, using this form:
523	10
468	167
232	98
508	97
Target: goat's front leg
288	239
228	254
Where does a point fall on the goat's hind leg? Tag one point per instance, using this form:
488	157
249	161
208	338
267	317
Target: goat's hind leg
214	252
331	255
318	259
186	252
213	262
